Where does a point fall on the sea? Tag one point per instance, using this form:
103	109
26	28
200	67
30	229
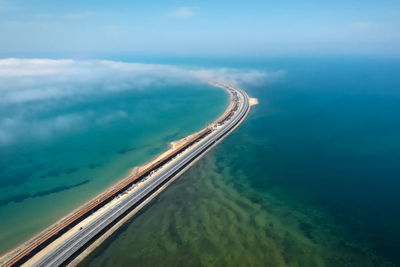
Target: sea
311	178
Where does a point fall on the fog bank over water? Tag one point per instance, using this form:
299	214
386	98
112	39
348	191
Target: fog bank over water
38	79
57	153
34	88
311	178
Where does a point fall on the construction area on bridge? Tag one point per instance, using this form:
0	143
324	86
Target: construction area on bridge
132	190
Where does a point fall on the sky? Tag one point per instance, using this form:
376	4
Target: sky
204	27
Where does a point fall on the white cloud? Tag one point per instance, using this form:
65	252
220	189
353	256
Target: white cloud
39	86
23	80
78	15
31	67
112	28
364	25
17	129
183	12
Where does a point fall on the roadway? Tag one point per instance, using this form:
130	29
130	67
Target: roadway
78	240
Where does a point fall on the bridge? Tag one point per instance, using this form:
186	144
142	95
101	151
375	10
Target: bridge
153	177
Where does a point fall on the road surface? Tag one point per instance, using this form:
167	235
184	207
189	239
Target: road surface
77	241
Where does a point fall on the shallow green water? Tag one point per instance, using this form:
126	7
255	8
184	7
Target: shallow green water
310	179
211	217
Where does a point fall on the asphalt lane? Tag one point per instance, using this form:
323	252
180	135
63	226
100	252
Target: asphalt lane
64	251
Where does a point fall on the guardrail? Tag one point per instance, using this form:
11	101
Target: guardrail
48	238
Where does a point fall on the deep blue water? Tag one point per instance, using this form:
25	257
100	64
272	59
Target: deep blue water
333	129
312	177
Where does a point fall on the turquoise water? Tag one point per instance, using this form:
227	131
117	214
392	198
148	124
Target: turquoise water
310	179
90	143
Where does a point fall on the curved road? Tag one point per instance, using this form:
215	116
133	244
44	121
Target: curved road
63	252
